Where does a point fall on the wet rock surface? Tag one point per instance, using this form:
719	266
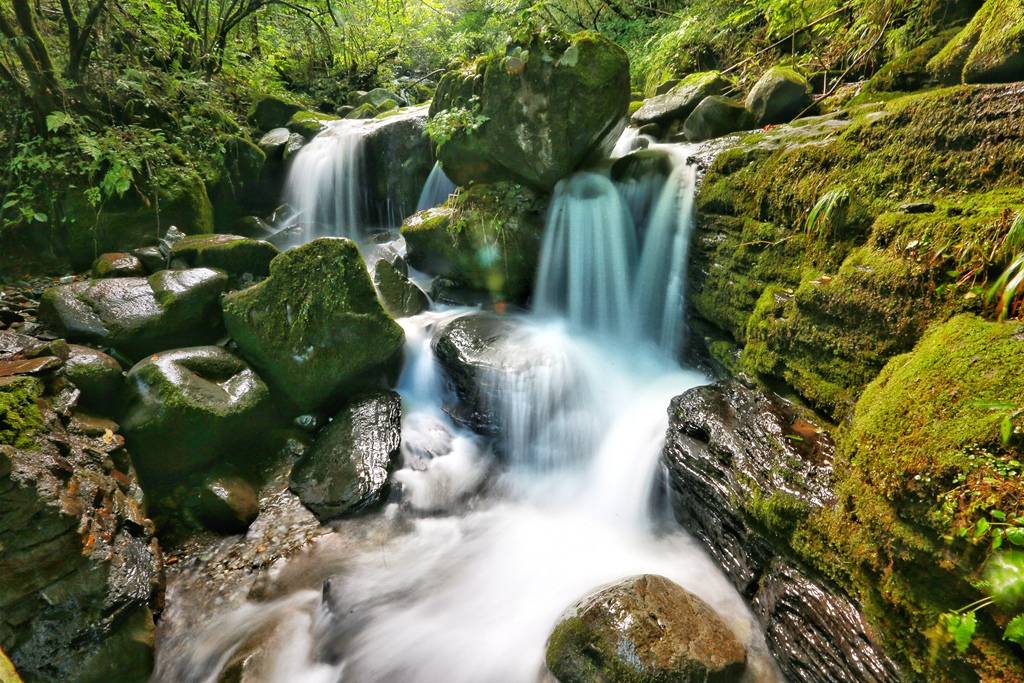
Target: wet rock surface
79	562
645	629
138	316
189	407
234	254
400	295
780	95
98	376
679	101
315	330
347	469
743	468
118	264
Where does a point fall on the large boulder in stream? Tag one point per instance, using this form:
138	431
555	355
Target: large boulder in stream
714	117
744	468
347	469
78	559
400	158
138	316
315	329
234	254
190	407
535	113
486	239
644	629
779	96
677	103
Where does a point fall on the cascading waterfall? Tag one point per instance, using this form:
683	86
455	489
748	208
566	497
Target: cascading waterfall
326	186
481	558
436	190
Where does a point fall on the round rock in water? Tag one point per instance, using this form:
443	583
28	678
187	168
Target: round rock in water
98	376
644	629
347	469
225	504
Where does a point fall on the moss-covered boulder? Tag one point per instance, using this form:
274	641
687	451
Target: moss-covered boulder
714	117
233	254
347	469
273	143
990	49
400	295
922	458
138	316
533	114
679	101
190	407
129	222
97	376
399	159
909	71
487	239
270	111
780	95
117	264
315	329
308	124
644	629
236	188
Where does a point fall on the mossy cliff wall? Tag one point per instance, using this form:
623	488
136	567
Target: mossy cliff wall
873	313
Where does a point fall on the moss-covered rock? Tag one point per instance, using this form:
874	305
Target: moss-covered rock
908	71
990	49
129	222
309	123
487	238
271	111
536	113
190	407
224	504
20	419
97	376
922	457
780	95
679	101
644	629
237	189
833	311
399	158
233	254
714	117
138	316
400	296
315	329
117	264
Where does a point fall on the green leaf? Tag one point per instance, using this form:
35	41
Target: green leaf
39	217
1014	631
981	528
57	120
997	514
961	627
1006	429
1015	535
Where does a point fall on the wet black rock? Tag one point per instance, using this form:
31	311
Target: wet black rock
346	471
224	504
77	555
98	376
138	316
743	469
400	295
644	629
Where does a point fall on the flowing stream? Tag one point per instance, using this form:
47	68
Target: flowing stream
483	554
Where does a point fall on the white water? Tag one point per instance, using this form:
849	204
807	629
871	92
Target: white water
481	558
436	190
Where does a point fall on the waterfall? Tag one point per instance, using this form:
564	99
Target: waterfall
326	185
436	190
591	269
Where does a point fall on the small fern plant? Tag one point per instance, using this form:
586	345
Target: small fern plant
828	214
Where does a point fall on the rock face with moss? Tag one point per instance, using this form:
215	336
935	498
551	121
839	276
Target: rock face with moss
138	316
486	239
714	117
679	102
399	157
190	407
534	114
315	329
990	49
644	629
400	296
233	254
236	189
126	223
270	112
745	469
77	553
347	469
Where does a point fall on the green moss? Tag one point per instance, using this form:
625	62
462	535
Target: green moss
309	123
778	513
272	111
20	417
908	71
990	49
921	453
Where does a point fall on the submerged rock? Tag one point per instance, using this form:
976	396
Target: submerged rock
779	96
315	329
233	254
77	554
400	295
745	470
346	471
138	316
541	110
190	407
644	629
